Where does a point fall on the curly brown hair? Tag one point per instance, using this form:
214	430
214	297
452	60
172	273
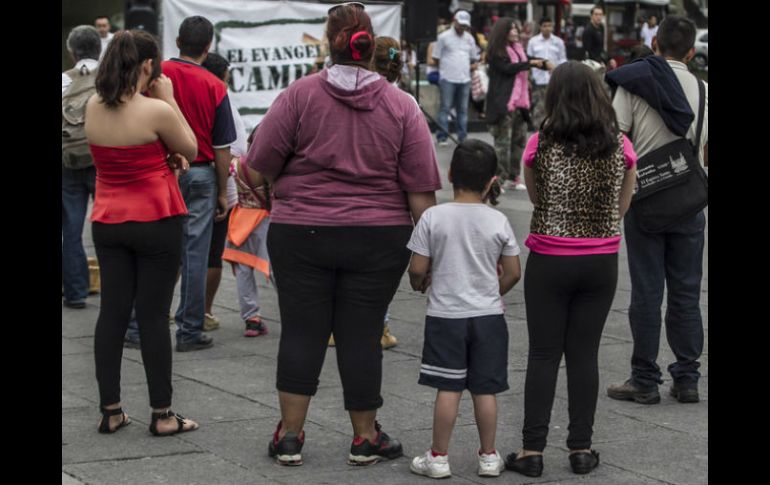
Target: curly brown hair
387	58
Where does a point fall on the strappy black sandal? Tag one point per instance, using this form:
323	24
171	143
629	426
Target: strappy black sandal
104	426
165	415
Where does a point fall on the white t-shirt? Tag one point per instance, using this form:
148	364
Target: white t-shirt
552	49
464	242
455	54
105	42
648	33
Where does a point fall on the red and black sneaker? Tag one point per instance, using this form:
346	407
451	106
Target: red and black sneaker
288	450
364	452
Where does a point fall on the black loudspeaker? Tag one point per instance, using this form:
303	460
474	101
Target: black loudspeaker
142	15
421	20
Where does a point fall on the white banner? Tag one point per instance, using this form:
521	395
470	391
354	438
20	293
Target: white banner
269	44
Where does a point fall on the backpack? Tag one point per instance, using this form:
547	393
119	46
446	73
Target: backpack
75	153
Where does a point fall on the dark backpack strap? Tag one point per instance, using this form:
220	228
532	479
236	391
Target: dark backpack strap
701	111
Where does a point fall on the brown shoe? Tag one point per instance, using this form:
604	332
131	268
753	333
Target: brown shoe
388	340
331	341
629	392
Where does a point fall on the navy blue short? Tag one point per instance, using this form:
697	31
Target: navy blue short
466	353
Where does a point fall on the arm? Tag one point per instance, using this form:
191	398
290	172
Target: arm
419	202
529	181
511	273
505	66
419	272
173	129
222	159
627	190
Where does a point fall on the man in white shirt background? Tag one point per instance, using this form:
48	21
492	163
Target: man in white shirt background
649	30
551	49
456	55
102	24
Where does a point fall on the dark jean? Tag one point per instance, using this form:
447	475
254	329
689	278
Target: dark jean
672	260
336	280
76	187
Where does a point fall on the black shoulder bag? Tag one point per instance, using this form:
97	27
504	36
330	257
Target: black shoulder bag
671	185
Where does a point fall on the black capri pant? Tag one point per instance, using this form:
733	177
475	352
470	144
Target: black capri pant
336	280
138	262
567	300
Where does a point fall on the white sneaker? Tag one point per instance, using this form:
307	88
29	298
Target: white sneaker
443	143
431	466
520	186
491	465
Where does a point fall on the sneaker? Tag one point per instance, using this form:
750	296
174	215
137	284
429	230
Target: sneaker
331	341
684	394
210	322
203	342
443	143
431	466
288	450
490	465
520	186
388	340
628	392
364	452
255	327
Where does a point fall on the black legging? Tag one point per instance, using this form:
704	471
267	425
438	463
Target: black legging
340	280
567	300
138	261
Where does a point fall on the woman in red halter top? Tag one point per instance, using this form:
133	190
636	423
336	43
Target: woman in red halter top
138	143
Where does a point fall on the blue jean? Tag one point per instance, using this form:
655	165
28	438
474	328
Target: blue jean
76	187
673	259
457	95
199	189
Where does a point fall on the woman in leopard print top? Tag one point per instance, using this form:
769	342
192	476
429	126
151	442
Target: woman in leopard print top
580	173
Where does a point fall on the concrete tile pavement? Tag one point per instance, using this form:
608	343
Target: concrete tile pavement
230	390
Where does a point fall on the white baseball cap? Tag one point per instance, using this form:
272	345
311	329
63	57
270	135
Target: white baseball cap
463	18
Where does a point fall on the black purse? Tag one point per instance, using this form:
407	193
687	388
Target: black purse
671	185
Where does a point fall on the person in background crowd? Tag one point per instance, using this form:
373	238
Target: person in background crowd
102	24
508	99
78	175
593	39
649	30
551	49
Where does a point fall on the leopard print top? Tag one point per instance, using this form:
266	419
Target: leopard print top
577	197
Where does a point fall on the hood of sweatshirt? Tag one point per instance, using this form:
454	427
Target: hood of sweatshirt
356	87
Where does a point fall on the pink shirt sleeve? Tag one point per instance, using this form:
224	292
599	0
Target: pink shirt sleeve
630	154
417	164
529	152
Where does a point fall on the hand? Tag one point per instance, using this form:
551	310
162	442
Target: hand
178	163
162	88
425	283
221	211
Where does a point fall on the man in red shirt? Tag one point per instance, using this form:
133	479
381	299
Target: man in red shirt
203	100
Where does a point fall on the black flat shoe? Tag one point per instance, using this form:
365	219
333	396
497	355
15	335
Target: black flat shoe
531	466
583	463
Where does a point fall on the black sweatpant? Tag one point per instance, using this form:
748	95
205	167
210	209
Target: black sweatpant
567	300
336	280
138	263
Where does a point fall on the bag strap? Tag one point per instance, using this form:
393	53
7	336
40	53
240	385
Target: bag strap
701	111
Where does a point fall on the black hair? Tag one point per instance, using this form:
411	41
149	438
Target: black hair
119	69
639	51
498	38
579	113
595	7
216	64
676	36
102	17
474	163
195	35
545	19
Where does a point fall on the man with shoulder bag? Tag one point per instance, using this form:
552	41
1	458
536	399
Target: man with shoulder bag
664	110
78	175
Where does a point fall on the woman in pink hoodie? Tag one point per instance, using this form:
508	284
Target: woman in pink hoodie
353	167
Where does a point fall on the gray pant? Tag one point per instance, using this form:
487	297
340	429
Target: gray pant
248	292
